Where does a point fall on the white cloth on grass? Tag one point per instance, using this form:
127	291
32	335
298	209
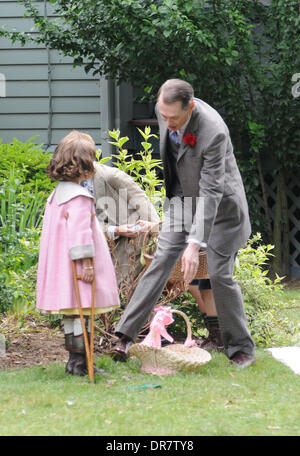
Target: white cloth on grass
290	356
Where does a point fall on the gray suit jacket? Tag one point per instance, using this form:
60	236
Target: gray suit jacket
209	170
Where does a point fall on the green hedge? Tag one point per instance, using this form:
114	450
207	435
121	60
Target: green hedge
24	187
29	161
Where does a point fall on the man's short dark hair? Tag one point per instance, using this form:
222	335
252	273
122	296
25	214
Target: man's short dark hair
176	90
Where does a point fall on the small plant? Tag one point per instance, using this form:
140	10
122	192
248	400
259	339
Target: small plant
19	209
144	169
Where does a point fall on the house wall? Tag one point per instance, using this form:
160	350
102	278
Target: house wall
44	94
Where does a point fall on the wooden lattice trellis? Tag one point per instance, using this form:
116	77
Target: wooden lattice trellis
294	219
293	194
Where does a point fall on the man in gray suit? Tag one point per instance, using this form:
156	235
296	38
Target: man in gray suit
206	207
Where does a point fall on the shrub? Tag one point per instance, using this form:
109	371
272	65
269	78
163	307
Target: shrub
20	288
17	263
24	188
19	208
20	221
261	298
261	294
29	161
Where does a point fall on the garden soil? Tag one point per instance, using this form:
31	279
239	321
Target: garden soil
33	344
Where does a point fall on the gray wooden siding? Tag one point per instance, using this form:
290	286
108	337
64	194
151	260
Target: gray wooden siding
25	111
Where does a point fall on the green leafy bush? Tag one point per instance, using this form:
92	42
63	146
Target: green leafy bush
29	161
261	298
19	208
261	294
23	192
20	288
17	262
20	222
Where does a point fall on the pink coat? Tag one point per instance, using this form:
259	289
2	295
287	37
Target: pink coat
71	232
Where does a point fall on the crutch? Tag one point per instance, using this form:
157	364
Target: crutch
89	347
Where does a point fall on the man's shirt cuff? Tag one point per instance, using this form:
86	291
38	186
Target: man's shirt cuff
111	231
202	244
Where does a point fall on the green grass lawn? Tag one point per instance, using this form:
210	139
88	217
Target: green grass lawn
218	400
292	304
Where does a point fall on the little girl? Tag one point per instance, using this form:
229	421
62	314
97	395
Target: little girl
71	232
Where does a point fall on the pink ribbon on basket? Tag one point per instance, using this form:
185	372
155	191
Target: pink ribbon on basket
190	343
162	318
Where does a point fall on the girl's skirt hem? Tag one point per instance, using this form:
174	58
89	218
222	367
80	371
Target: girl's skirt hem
85	311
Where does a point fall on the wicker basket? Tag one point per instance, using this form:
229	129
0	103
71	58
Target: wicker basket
176	275
172	358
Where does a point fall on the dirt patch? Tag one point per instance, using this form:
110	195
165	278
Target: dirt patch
33	344
292	283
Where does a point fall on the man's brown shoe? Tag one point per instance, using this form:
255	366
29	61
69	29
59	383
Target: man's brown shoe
242	360
120	351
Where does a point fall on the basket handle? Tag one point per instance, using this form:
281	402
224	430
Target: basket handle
187	321
146	233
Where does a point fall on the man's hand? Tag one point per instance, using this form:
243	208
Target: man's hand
190	261
141	226
148	226
125	230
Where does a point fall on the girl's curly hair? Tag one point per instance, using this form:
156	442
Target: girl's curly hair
73	158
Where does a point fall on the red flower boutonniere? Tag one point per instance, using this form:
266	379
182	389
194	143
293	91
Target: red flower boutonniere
190	139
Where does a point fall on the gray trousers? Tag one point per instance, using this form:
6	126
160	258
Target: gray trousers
227	293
